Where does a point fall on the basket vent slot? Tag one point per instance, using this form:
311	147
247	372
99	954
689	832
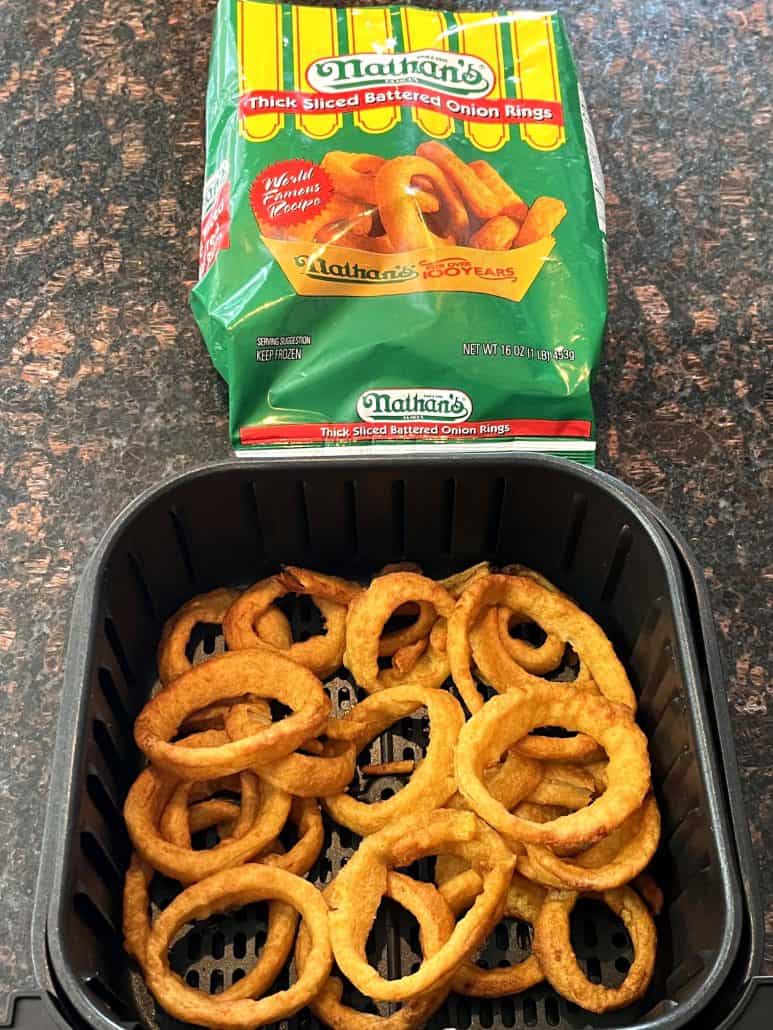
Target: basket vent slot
106	745
182	543
103	992
113	698
250	494
118	650
622	550
93	918
496	515
449	494
578	506
100	863
104	803
143	588
304	522
350	517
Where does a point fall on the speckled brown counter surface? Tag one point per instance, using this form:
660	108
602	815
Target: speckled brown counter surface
105	386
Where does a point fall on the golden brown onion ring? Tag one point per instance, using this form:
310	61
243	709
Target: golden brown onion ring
431	785
221	892
632	845
260	671
328	772
368	615
553	947
507	718
556	614
356	893
436	923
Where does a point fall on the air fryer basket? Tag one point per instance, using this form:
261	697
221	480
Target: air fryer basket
232	523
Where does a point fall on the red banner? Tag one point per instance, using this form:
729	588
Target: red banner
362	432
479	109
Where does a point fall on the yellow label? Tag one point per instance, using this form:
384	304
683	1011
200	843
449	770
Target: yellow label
326	270
259	46
423	30
370	31
536	75
480	36
315	35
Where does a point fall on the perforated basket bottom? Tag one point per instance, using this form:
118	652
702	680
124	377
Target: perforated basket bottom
215	953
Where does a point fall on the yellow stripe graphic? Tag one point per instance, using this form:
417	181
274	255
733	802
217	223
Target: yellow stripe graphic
369	29
259	49
423	30
536	76
480	36
315	35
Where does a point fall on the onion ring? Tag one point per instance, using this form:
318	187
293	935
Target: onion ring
400	209
431	785
646	886
633	844
306	815
237	887
553	947
308	776
476	194
436	924
524	901
556	614
322	653
280	930
506	718
357	890
404	768
366	620
260	670
511	204
406	657
146	801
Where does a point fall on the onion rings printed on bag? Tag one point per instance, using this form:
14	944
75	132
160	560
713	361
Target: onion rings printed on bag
553	947
633	844
235	888
368	615
356	892
432	783
511	204
556	614
312	776
476	194
259	670
321	654
400	208
507	718
436	924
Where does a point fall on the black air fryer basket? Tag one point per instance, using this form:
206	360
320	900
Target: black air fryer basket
233	523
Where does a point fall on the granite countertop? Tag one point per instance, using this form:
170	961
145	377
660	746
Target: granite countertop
105	385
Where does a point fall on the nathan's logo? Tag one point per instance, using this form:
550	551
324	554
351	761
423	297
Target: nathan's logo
414	405
352	271
455	74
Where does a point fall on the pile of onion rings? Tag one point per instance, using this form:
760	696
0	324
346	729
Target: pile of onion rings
523	823
422	200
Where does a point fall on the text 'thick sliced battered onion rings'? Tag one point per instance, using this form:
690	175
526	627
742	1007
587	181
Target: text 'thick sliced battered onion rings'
219	893
556	614
553	947
313	776
356	893
322	654
507	718
634	844
431	784
368	615
260	671
436	924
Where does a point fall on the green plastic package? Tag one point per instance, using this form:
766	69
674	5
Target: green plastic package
402	239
